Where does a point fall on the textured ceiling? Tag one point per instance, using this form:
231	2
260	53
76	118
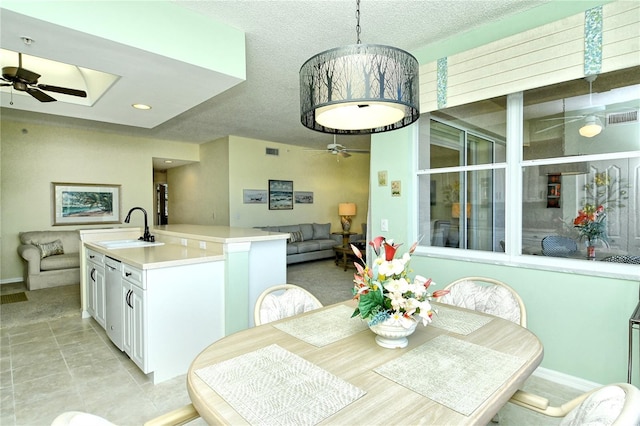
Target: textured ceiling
280	36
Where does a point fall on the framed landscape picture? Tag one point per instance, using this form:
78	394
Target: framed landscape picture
280	194
85	204
303	197
254	196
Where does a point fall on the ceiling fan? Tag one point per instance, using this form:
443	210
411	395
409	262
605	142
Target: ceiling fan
340	150
23	80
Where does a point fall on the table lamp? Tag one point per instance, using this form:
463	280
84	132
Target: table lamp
346	210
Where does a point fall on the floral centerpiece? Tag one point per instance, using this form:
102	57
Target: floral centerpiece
384	291
591	224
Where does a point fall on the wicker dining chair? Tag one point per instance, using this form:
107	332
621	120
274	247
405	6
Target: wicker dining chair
486	295
617	404
282	301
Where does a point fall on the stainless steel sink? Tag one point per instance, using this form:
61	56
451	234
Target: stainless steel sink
120	244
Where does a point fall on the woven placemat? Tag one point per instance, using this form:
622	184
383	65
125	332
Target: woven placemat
273	386
459	322
457	374
324	327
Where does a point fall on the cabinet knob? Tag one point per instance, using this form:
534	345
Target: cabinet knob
127	274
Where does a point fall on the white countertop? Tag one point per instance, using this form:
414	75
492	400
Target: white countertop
164	256
218	234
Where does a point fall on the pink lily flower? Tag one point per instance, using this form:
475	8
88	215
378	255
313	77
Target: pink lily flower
355	251
376	243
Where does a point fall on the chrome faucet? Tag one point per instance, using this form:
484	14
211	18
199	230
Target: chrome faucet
147	236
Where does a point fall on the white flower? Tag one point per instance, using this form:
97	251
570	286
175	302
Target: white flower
397	301
398	286
394	267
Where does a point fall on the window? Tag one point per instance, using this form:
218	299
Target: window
490	187
462	176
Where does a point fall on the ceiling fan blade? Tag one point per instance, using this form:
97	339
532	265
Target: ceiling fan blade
558	125
6	84
358	150
27	76
41	96
344	154
63	90
563	118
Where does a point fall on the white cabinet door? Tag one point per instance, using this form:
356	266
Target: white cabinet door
134	334
138	337
100	305
91	289
126	317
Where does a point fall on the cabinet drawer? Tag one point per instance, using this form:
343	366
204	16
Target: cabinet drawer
95	257
131	274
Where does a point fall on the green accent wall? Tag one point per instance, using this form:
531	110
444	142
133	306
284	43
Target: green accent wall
581	320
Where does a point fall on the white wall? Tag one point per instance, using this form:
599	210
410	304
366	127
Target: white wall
33	156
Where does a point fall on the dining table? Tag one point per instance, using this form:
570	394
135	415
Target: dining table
324	367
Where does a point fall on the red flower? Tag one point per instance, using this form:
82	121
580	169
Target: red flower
390	250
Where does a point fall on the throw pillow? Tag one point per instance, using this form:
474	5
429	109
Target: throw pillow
50	249
295	237
321	231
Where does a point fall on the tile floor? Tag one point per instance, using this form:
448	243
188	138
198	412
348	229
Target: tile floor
69	363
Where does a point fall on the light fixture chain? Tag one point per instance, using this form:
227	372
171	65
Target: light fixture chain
358	21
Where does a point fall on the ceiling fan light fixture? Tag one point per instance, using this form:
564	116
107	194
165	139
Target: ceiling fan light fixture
143	107
592	127
359	89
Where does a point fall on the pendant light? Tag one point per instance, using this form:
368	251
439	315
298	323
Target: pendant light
359	89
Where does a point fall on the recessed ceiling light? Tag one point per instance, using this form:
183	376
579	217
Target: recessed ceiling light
141	106
168	161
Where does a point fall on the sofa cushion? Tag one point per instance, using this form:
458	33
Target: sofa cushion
50	249
289	228
60	261
292	248
307	231
321	231
326	244
307	246
70	239
295	237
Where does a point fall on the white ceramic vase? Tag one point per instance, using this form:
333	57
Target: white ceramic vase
391	334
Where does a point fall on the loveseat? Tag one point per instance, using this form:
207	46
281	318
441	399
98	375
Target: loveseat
52	258
309	241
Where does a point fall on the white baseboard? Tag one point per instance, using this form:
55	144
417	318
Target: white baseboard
11	280
565	379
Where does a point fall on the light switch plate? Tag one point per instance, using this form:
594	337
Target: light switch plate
384	225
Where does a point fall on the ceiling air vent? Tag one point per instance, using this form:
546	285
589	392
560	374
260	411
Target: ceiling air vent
617	118
272	151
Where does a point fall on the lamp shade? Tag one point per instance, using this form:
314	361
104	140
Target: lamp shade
359	89
347	209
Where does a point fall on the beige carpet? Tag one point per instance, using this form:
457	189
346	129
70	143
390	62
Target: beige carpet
42	305
326	281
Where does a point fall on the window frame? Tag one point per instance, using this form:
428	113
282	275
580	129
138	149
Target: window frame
514	168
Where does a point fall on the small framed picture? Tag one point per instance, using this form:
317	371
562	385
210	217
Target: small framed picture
254	196
396	188
303	197
382	178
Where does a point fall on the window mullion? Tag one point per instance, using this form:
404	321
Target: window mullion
513	184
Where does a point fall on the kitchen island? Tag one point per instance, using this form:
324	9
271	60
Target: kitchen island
151	299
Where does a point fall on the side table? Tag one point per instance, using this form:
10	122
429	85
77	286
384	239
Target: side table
344	256
634	323
345	237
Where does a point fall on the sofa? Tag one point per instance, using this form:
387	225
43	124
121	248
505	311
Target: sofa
51	258
309	241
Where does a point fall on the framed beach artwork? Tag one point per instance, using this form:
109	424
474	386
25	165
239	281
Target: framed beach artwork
303	197
85	204
254	196
280	194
